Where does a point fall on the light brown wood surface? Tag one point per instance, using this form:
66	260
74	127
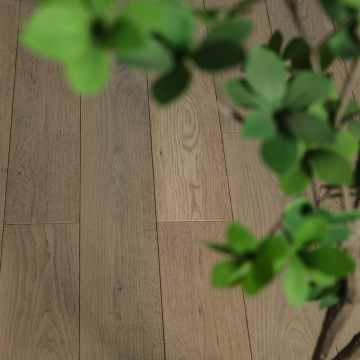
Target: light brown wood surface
39	292
121	315
5	123
9	21
200	322
44	171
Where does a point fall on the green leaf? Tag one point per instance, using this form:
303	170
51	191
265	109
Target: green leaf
295	284
239	93
295	181
306	88
222	248
331	167
235	31
330	261
345	216
296	213
259	124
308	127
353	127
298	52
328	300
240	239
280	153
229	272
335	9
335	236
178	24
276	41
276	249
311	230
344	45
320	278
124	35
171	85
217	56
103	6
266	74
345	145
58	31
260	274
88	73
151	56
326	57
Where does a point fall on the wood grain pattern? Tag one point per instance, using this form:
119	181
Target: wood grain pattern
277	331
121	315
39	292
261	34
9	21
44	167
200	322
189	167
5	124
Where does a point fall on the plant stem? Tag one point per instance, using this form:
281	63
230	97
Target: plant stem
351	351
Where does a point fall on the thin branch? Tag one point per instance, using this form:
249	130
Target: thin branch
346	197
351	351
315	198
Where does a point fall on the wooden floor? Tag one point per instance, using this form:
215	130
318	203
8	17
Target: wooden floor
105	204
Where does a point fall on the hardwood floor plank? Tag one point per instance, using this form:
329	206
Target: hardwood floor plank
9	21
5	124
39	292
44	165
200	322
277	331
121	314
261	34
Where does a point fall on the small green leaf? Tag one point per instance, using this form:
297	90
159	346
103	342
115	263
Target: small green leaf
295	284
335	9
311	230
58	31
124	35
298	52
276	41
222	248
171	85
240	239
353	127
344	45
240	94
320	278
88	73
328	300
218	55
326	57
229	272
345	216
280	153
266	74
330	261
335	236
308	127
306	88
331	167
296	213
295	181
103	6
259	124
235	31
346	145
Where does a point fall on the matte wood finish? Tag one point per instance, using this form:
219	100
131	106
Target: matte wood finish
9	20
44	171
200	322
5	123
39	292
276	330
189	167
120	308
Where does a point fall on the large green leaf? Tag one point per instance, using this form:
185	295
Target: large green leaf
280	153
346	145
335	9
308	127
335	236
58	31
218	55
353	127
298	52
88	73
331	261
331	167
227	273
259	124
295	181
240	239
238	92
171	85
266	74
295	284
307	88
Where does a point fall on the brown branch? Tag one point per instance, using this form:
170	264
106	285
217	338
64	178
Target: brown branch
351	351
